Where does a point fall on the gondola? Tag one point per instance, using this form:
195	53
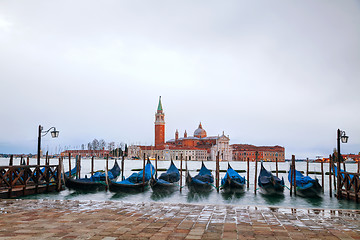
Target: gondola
135	181
95	182
167	181
232	181
305	185
201	182
270	184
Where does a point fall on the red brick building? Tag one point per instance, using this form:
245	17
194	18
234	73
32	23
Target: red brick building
266	153
86	153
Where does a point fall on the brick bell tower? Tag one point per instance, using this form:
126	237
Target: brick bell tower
159	125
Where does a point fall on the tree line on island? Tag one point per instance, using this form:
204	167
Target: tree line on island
118	150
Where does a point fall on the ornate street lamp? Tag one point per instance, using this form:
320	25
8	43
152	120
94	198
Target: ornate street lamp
341	135
54	134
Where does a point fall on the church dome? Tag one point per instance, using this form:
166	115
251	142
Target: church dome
200	132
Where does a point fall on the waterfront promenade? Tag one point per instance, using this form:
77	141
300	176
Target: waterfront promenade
70	219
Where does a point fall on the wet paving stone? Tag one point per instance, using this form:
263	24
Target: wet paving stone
64	219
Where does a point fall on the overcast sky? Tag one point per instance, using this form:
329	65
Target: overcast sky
264	72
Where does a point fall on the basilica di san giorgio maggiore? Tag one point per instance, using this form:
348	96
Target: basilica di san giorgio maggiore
200	146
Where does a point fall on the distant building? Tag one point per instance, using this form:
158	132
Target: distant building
201	147
241	152
197	147
86	153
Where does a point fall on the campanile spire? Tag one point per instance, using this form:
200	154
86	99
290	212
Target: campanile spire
159	125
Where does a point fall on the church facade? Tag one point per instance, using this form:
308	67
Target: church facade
199	147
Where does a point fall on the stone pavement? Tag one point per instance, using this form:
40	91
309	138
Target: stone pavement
69	219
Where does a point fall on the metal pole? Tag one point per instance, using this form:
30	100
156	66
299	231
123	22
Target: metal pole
248	173
338	163
39	146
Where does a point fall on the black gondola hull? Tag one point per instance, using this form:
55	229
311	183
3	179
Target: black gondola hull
157	186
79	184
271	189
118	187
193	186
313	191
232	186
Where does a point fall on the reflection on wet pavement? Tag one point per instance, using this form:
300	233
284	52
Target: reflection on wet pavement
100	219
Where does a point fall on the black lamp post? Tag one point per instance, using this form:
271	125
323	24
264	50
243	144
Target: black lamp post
341	135
42	133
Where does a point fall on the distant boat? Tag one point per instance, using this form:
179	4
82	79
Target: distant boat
135	181
232	181
201	182
350	160
95	182
167	181
305	185
270	184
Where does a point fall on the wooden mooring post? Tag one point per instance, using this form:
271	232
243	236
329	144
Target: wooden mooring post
248	173
79	166
11	161
217	171
277	170
181	167
307	166
106	172
122	166
92	165
338	190
256	163
59	172
143	178
70	165
322	176
294	175
330	174
156	166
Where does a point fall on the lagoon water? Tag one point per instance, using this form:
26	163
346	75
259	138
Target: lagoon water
246	198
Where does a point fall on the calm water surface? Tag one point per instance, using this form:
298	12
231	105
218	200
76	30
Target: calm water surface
246	198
